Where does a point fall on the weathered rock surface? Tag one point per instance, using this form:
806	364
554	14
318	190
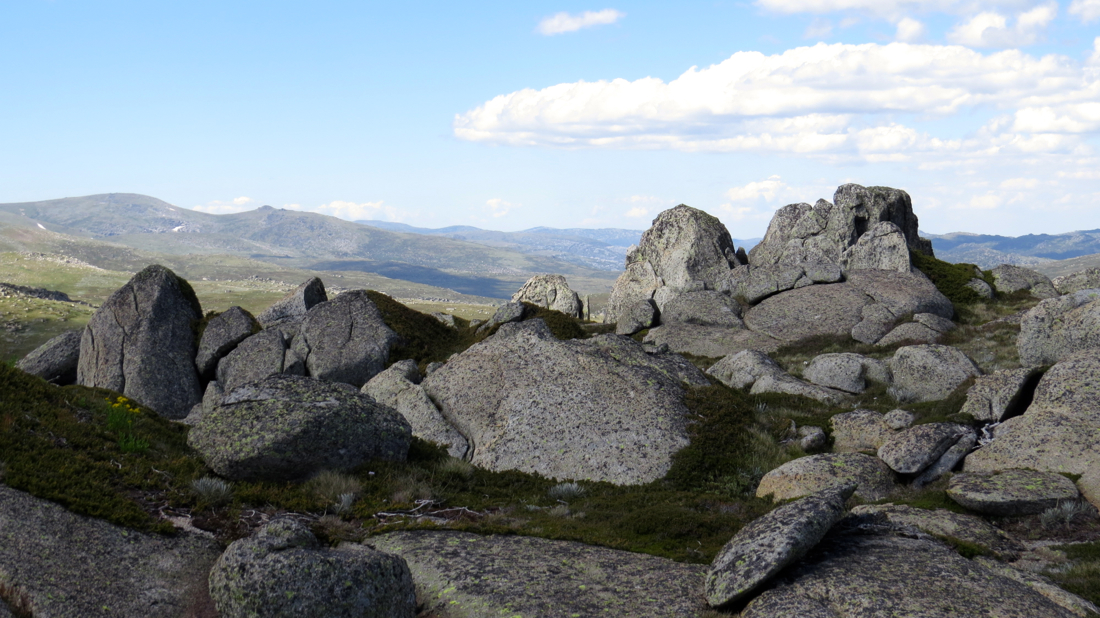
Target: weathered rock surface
898	419
1008	278
910	332
289	427
640	315
703	308
56	360
459	575
771	542
552	292
937	323
931	372
1059	327
70	566
710	341
832	310
1011	492
949	460
1075	282
916	448
1042	585
140	343
686	249
895	295
814	473
345	339
997	394
282	571
755	283
599	408
398	387
846	371
856	576
764	375
859	430
264	354
222	334
947	525
787	384
293	306
980	287
882	247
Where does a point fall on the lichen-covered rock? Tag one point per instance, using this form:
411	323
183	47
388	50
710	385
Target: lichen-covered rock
293	306
937	323
222	334
140	343
771	542
1075	282
257	357
898	419
901	293
282	571
832	310
755	283
1008	278
345	339
860	575
552	292
949	526
1075	604
464	575
636	317
916	448
1059	327
599	409
910	332
703	308
710	341
846	371
814	473
949	460
395	387
882	247
998	393
980	287
1012	492
71	566
859	430
743	369
56	360
685	249
787	384
290	427
931	372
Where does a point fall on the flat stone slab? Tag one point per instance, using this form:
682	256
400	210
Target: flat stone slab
947	525
1012	492
771	542
807	475
459	574
916	448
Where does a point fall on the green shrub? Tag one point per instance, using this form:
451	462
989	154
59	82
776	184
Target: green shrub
425	339
562	326
951	279
213	491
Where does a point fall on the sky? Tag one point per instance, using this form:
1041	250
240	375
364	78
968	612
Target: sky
562	114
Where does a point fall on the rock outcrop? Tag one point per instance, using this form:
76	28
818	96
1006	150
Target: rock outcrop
293	307
882	247
999	394
846	371
1011	493
140	343
1008	278
345	339
599	409
552	292
1075	282
931	372
222	334
56	360
814	473
291	427
264	354
399	388
1059	327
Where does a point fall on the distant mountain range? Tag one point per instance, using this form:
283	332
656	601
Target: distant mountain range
988	251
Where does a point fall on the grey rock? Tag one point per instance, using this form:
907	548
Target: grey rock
898	419
194	416
832	310
140	343
459	574
397	388
56	360
901	293
863	575
507	313
916	448
704	308
290	427
430	369
71	566
552	292
812	438
859	430
347	339
743	369
846	371
993	395
636	317
1075	604
282	571
1075	282
882	247
755	283
1059	327
212	397
910	332
937	323
1008	278
931	372
949	460
814	473
947	525
222	334
709	341
293	306
685	248
445	318
1012	492
787	384
875	322
771	542
598	409
980	287
255	358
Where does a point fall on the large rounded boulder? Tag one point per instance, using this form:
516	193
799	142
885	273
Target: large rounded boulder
345	339
551	292
140	343
289	427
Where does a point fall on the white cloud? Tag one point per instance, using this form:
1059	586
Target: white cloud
218	207
1020	183
564	22
910	30
766	189
818	29
890	9
499	208
1087	11
990	29
352	211
637	212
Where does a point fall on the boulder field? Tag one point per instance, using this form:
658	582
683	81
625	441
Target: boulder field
315	384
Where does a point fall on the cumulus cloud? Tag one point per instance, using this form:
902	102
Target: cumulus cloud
989	29
565	22
352	211
889	9
637	212
218	207
499	208
1087	11
910	30
766	189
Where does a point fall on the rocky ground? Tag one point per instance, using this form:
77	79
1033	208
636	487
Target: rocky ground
834	424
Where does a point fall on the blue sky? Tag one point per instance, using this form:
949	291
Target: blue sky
564	114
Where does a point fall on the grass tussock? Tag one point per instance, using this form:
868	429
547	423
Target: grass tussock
951	279
1082	575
